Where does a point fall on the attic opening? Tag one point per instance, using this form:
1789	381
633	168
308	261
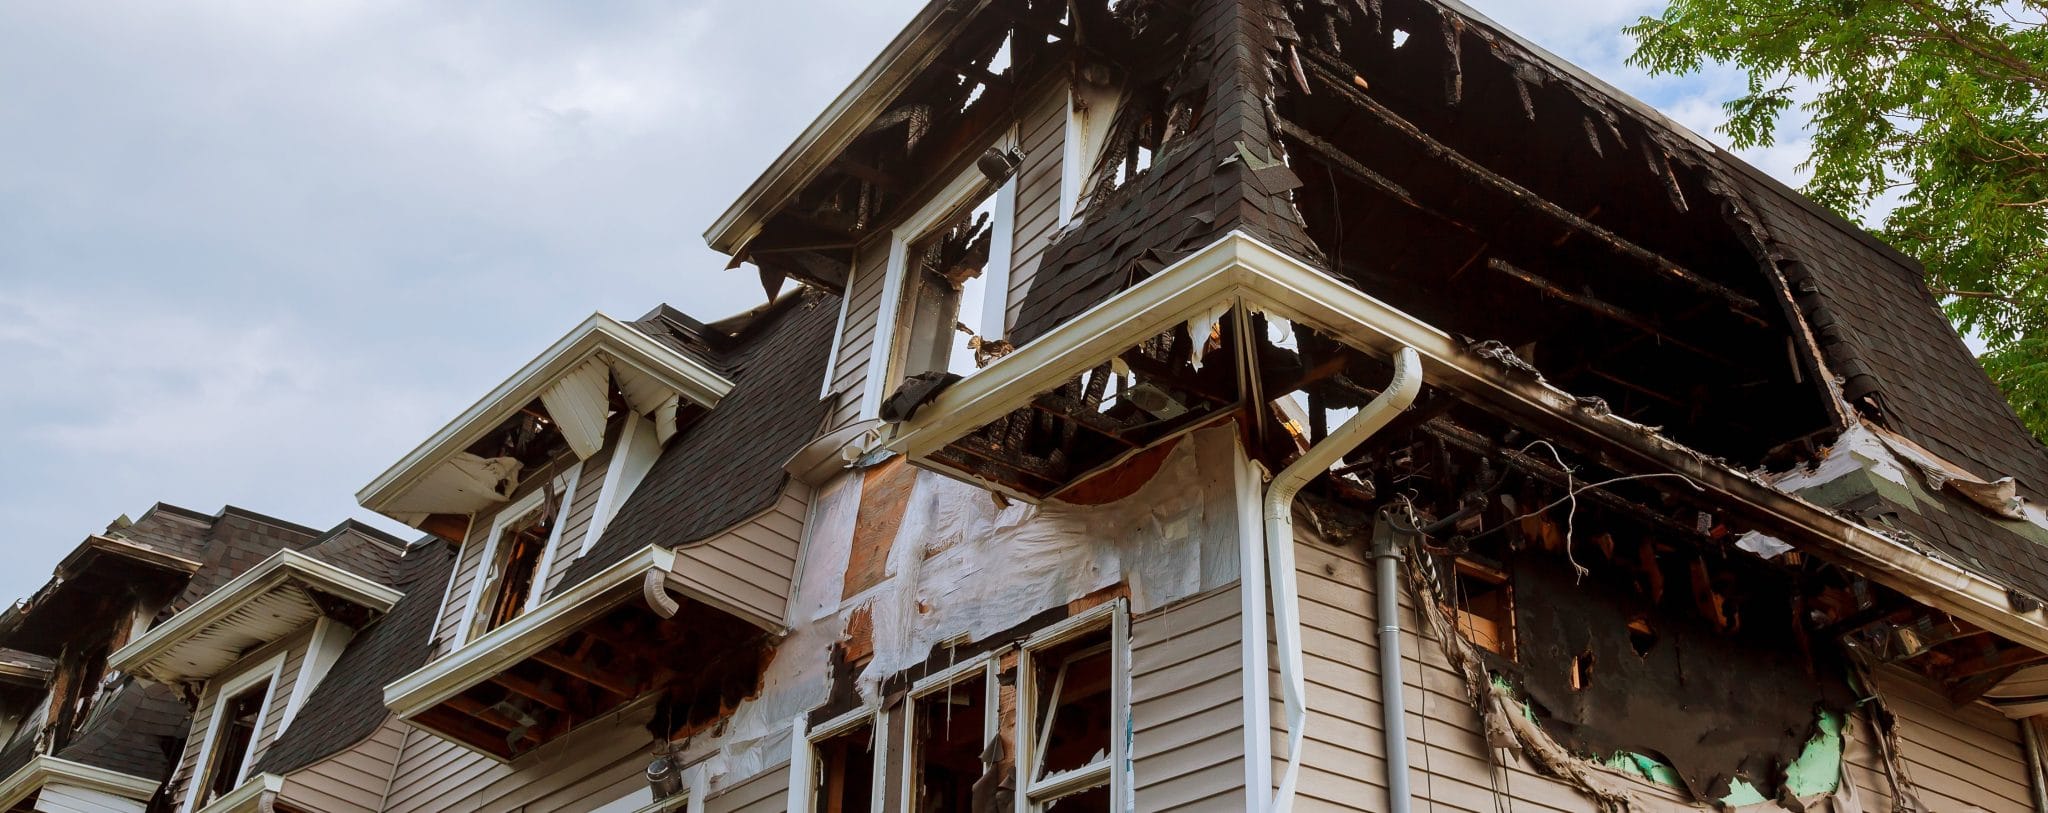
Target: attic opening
1496	199
946	293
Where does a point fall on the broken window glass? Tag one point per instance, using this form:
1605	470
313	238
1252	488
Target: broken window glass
947	292
846	772
1072	714
232	740
949	739
516	562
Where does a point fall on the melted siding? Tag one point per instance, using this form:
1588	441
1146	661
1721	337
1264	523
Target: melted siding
1188	705
751	566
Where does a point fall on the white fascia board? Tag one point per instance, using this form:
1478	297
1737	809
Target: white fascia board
282	569
600	333
248	797
46	769
537	629
887	76
1238	269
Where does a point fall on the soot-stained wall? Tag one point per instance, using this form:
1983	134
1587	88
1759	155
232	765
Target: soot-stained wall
1713	705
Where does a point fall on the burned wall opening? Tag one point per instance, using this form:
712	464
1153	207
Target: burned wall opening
1454	175
1621	612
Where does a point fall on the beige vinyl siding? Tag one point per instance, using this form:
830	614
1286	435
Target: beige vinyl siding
1956	758
1188	705
353	781
749	568
1042	136
1968	755
437	775
765	792
582	506
857	341
55	798
275	704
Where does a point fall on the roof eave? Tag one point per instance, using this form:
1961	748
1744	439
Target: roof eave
886	77
281	568
690	377
46	769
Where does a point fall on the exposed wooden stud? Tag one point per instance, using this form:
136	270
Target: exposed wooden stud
1603	308
582	670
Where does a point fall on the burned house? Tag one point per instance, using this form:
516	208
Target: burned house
1205	405
87	729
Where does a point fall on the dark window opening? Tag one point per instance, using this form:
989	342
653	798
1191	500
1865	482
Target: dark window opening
1582	671
82	689
946	292
232	740
1484	607
1072	714
846	772
950	733
517	563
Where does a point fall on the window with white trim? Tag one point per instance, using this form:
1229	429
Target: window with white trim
844	767
241	705
952	731
1071	699
517	555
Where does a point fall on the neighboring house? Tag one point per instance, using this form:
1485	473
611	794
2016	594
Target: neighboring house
1212	405
81	733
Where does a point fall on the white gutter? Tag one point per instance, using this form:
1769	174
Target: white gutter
1279	511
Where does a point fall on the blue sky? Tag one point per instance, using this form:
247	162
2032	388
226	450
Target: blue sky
252	252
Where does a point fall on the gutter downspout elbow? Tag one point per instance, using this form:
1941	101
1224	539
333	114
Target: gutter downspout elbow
1279	532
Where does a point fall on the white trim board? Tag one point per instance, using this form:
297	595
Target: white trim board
45	770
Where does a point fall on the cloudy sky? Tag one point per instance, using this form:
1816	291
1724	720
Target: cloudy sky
252	252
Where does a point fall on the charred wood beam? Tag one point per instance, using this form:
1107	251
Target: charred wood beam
531	691
608	680
864	172
1602	307
2010	657
1067	408
1332	155
469	729
1014	460
1533	466
1321	67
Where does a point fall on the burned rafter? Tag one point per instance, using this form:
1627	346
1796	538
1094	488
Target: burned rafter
1320	68
1593	304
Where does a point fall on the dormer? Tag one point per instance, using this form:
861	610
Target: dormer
562	401
658	565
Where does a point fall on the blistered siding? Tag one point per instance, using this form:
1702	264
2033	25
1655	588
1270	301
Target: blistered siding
1188	705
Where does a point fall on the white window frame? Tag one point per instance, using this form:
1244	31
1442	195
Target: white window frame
1115	617
566	483
271	670
1081	146
889	322
805	762
985	666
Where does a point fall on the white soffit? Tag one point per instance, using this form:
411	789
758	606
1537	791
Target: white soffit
572	380
268	602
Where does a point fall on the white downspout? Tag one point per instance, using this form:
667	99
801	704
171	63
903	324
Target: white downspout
1279	512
